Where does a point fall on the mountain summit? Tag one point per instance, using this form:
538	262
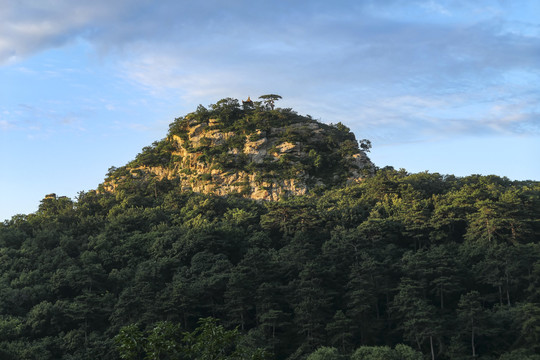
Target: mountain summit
255	150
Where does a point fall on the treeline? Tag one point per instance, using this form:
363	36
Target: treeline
445	266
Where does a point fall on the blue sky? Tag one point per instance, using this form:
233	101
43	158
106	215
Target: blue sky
443	86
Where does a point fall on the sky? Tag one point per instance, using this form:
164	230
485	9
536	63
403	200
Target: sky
446	86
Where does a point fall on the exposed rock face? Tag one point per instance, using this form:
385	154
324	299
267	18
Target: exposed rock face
260	162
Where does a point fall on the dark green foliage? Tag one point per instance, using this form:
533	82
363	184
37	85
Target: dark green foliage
165	340
157	154
324	353
400	352
449	266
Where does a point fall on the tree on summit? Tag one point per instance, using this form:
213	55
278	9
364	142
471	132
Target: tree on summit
269	100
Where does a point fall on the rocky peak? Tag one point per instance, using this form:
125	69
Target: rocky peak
254	150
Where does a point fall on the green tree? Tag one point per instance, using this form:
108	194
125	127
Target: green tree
472	317
340	331
361	296
529	320
311	307
420	320
273	314
165	341
130	342
400	352
324	353
269	100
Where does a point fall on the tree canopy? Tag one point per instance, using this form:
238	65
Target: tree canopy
398	266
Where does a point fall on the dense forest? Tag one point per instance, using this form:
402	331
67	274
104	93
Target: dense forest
396	266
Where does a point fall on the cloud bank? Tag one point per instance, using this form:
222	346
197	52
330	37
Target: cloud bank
424	69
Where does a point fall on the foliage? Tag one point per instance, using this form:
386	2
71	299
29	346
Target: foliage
400	265
400	352
324	353
209	341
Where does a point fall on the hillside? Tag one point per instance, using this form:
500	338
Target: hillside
254	150
176	257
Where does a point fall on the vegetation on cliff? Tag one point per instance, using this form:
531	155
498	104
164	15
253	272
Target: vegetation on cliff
254	150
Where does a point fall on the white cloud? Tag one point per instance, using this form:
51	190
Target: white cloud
28	26
5	125
436	7
386	64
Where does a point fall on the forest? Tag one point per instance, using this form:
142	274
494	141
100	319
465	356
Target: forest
448	267
397	266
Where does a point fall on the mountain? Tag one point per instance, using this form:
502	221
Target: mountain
177	256
253	150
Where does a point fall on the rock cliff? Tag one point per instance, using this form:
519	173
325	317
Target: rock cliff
253	150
